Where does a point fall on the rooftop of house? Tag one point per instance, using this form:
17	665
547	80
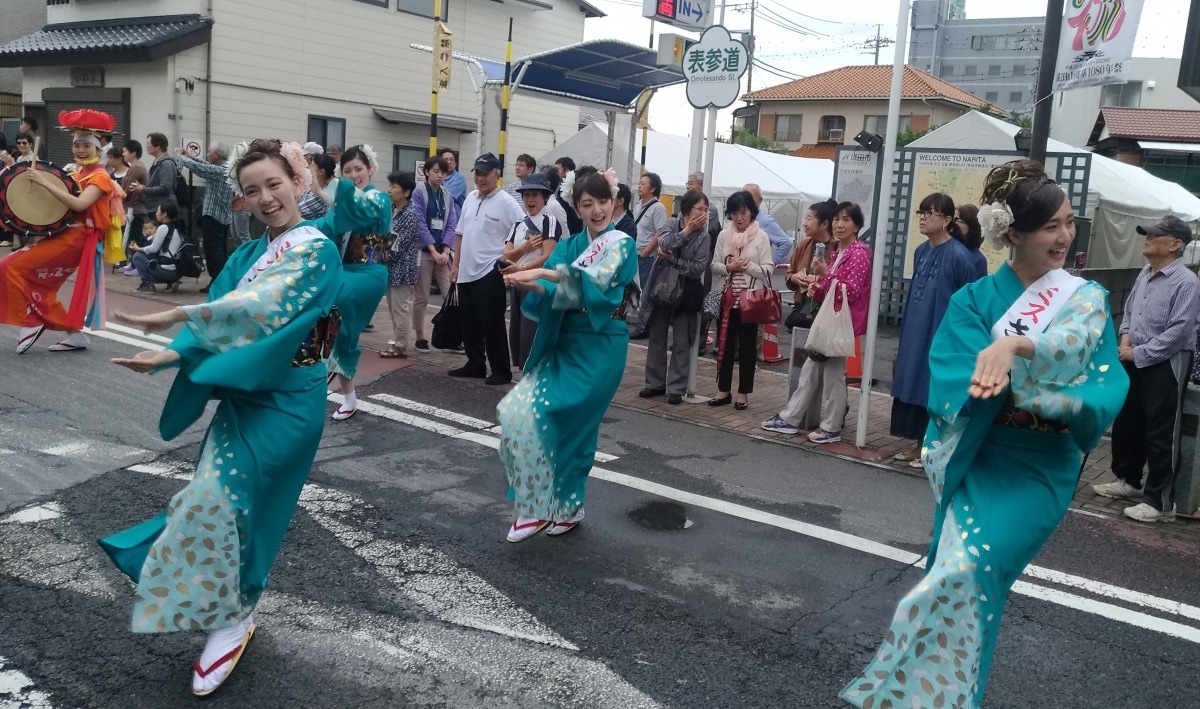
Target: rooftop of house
865	82
1148	124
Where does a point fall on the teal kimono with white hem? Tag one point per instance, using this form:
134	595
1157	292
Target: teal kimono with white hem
365	275
1001	490
204	562
550	421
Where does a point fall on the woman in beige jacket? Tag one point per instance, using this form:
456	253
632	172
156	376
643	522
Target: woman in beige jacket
742	261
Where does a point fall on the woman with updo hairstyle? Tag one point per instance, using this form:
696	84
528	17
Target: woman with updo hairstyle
1025	379
257	347
941	265
315	202
364	267
550	421
966	217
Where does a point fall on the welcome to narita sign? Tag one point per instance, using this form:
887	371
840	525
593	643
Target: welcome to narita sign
713	68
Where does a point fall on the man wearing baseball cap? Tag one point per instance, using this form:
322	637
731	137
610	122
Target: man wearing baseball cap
1157	336
311	150
487	215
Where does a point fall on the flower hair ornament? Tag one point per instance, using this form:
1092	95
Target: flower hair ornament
290	151
567	188
994	222
610	176
372	156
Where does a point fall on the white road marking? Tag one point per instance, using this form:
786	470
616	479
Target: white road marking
126	340
37	513
441	429
420	408
850	541
173	471
427	576
18	692
153	337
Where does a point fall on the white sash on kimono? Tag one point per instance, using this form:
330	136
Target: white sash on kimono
276	247
593	253
1038	305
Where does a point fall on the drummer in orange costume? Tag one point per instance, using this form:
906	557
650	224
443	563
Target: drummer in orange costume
30	278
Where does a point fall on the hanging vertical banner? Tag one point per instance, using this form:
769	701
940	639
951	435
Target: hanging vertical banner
1096	43
443	48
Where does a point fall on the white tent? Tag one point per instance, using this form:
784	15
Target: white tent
789	184
1120	196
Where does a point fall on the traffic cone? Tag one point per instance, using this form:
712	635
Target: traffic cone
854	364
770	345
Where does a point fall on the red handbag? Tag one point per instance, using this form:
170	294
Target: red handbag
762	306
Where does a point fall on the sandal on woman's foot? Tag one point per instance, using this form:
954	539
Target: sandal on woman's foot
907	456
221	654
557	528
343	413
28	336
525	527
393	352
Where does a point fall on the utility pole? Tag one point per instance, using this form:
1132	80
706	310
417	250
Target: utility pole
1042	106
750	47
878	42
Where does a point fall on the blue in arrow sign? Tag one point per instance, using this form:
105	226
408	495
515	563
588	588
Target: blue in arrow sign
689	8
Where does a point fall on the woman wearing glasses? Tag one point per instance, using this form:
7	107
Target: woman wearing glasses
941	266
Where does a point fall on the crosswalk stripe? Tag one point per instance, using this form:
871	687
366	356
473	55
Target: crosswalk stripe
126	340
18	691
420	408
153	337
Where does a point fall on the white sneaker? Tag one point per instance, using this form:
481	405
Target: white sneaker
1118	490
221	654
778	425
1145	513
822	436
557	528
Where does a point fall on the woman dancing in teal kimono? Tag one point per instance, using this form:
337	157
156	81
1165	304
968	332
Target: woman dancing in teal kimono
1025	379
257	346
365	274
550	421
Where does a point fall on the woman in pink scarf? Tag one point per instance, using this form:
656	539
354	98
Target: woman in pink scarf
741	261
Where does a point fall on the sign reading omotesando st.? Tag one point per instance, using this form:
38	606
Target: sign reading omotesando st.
713	68
1096	43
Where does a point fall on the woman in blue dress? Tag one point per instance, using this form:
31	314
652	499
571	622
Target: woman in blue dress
257	347
550	421
364	272
1025	379
941	266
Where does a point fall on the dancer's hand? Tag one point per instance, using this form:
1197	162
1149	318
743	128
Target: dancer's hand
154	322
147	360
526	280
992	366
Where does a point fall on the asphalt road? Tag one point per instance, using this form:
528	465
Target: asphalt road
713	570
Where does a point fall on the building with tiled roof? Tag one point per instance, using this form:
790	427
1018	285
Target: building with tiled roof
832	107
1166	142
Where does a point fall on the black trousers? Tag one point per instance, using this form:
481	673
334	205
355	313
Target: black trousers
741	341
1145	433
481	306
216	246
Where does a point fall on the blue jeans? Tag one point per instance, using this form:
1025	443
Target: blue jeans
152	274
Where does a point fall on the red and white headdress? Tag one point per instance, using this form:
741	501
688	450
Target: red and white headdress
87	124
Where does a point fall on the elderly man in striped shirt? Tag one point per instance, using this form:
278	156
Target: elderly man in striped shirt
1158	334
217	212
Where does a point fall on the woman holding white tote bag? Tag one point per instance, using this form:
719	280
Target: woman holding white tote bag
844	290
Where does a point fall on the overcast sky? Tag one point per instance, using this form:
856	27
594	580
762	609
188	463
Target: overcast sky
834	41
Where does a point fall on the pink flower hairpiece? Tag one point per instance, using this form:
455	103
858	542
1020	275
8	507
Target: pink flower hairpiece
293	152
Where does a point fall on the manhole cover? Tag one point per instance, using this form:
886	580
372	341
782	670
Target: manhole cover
661	516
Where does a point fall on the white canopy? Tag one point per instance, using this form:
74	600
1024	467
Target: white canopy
1120	195
789	184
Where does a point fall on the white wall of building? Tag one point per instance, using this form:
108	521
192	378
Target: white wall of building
1075	111
276	62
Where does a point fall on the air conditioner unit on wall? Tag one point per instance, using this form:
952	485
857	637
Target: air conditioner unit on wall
834	135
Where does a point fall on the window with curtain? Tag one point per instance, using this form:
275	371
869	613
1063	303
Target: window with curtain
787	128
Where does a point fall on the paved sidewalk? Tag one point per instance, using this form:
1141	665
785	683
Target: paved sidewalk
769	398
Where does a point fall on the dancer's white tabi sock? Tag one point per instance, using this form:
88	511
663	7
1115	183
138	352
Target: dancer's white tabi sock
350	402
221	642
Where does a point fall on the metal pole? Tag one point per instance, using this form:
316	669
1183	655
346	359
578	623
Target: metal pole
1043	107
750	68
433	100
710	145
882	234
504	98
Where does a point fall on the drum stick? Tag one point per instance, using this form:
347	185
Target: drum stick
37	143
